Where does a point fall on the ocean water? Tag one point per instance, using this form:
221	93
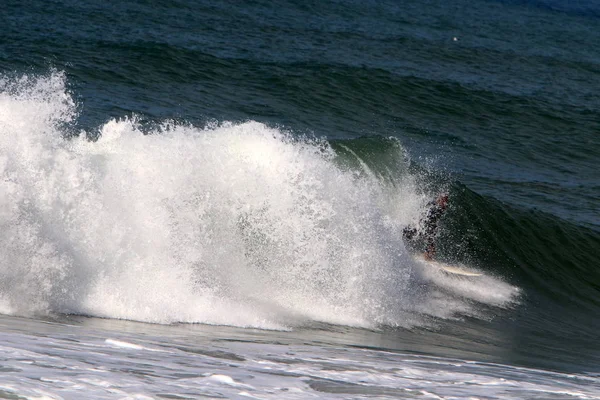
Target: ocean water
207	199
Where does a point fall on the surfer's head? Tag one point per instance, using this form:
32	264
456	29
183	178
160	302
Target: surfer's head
442	200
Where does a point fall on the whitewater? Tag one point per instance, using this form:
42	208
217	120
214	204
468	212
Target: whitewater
232	260
235	224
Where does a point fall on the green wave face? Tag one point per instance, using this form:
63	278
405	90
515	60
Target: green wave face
553	257
551	260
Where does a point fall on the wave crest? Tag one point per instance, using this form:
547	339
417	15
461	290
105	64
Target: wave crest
239	224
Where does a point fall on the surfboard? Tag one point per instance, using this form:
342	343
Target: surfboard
450	269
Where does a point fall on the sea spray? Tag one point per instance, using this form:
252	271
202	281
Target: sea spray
239	224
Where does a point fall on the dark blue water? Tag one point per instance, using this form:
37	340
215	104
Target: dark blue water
495	101
503	93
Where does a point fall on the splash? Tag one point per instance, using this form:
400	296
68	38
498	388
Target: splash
238	224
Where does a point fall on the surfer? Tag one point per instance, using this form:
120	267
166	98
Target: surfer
429	225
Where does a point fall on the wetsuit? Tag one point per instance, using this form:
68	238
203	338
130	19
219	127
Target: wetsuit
431	220
431	226
428	228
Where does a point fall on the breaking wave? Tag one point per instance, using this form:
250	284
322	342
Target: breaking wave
232	223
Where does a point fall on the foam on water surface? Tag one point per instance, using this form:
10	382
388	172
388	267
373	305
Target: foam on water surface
191	366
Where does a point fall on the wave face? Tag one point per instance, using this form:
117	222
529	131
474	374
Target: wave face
238	224
552	259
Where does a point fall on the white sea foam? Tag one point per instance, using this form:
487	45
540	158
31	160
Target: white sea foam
238	224
195	366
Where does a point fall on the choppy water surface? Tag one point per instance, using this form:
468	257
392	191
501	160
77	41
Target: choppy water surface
95	358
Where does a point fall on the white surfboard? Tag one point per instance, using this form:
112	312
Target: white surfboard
450	269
